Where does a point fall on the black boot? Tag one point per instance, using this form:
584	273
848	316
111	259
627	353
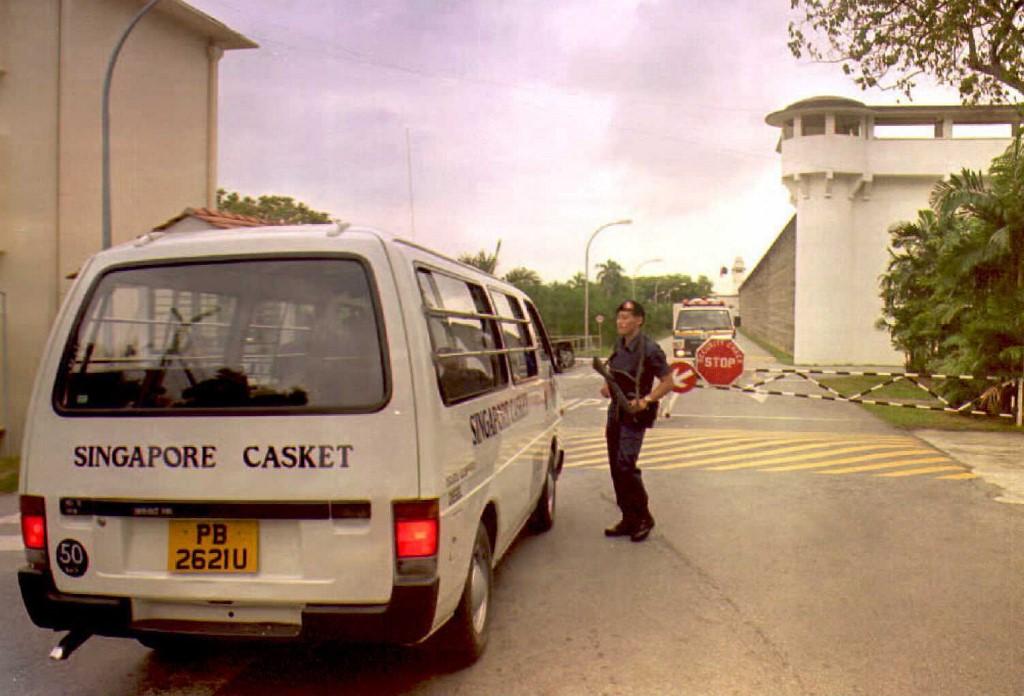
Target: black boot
643	529
623	528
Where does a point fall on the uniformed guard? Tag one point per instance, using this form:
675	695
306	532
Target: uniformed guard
635	364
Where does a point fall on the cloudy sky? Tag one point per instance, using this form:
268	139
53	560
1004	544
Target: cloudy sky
529	121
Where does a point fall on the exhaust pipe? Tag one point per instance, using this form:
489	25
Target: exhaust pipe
68	644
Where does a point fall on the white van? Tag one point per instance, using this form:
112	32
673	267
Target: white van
311	432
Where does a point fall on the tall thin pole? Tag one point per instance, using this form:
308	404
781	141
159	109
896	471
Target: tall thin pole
5	373
106	118
637	272
586	281
412	207
1020	396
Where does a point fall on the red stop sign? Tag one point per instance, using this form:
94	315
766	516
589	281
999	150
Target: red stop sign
684	377
719	361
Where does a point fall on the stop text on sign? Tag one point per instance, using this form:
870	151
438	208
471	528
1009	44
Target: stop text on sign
712	361
719	361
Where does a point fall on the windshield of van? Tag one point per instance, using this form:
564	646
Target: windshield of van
706	319
273	333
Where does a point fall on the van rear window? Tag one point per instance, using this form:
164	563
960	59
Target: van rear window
266	333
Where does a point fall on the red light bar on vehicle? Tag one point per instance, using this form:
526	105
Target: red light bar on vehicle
703	302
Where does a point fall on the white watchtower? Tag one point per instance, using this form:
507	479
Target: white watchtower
853	171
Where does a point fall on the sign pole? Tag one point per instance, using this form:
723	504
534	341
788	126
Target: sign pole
1020	400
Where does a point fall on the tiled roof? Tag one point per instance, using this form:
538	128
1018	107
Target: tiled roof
221	219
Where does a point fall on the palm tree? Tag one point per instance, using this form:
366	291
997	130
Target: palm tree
523	278
487	263
609	275
994	210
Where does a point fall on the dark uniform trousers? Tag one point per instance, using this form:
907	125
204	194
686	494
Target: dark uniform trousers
624	441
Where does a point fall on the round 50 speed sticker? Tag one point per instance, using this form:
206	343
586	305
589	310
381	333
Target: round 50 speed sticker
72	558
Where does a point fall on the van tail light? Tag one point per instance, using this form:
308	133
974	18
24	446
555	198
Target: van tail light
416	528
417	532
416	538
33	522
33	530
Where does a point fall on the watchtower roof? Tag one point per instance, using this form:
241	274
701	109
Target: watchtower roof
902	115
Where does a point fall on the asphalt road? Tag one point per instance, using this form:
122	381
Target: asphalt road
801	548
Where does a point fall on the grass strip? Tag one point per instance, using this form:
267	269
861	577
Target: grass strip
777	353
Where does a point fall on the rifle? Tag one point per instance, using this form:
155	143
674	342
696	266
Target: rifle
620	397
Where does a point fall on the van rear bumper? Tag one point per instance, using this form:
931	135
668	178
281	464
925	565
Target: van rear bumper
407	618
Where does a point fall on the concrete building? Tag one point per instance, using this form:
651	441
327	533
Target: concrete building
53	57
852	172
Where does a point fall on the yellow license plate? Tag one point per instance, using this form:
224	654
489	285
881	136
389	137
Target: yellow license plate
213	546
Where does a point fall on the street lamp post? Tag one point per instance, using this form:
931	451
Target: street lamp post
586	280
637	272
105	117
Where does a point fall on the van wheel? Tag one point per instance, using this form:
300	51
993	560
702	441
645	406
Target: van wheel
464	638
543	517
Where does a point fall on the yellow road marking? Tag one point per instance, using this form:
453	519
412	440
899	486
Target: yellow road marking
688	434
688	449
737	452
658	448
852	460
600	443
659	445
885	465
733	452
916	472
805	457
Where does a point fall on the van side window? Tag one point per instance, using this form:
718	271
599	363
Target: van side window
464	337
546	354
515	330
263	334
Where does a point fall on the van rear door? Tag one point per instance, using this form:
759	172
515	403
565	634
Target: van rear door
221	420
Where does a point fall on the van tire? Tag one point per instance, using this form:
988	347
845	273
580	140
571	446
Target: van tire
464	637
543	517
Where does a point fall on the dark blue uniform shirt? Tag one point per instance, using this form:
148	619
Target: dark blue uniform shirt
637	364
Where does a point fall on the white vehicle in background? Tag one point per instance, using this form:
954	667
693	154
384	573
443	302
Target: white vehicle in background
695	321
310	432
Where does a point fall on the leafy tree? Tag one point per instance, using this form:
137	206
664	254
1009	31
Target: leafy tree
280	209
973	45
523	278
953	292
487	263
